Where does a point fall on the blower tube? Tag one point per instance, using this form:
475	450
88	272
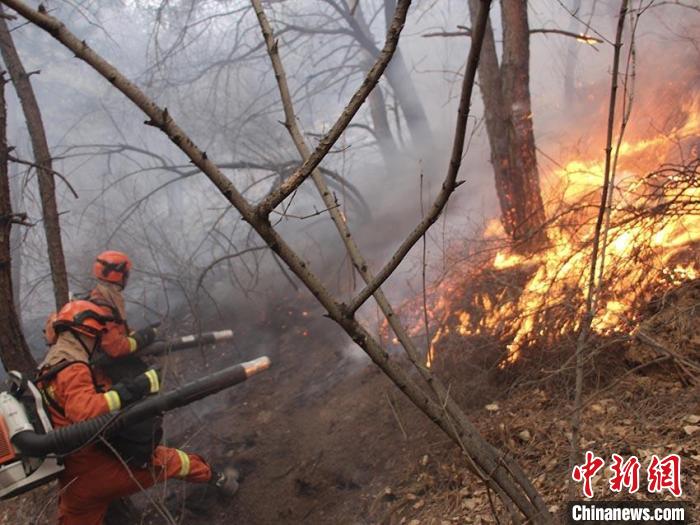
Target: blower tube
172	345
68	439
187	341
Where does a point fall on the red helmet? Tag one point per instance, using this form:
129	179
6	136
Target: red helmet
83	317
112	267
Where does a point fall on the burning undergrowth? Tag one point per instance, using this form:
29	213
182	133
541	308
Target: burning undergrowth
499	309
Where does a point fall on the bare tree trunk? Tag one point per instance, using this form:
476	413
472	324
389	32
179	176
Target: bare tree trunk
14	351
400	80
515	75
42	158
506	94
382	130
496	118
16	243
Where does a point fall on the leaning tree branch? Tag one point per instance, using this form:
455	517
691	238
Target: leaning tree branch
454	416
505	473
324	146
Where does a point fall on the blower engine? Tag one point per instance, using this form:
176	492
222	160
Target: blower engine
31	449
22	410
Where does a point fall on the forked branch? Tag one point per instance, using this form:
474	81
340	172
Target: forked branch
503	475
327	142
453	415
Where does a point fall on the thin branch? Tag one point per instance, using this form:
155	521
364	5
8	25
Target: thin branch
581	37
590	308
51	170
371	80
446	34
465	31
316	213
227	257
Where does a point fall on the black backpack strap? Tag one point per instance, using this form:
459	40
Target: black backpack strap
50	374
54	370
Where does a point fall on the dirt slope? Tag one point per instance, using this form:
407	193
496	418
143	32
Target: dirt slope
323	438
315	437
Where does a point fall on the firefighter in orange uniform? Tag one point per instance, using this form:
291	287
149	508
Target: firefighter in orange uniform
74	391
111	269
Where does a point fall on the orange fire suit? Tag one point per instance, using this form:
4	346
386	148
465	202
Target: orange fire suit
94	476
115	341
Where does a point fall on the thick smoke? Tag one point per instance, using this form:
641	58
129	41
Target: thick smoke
204	61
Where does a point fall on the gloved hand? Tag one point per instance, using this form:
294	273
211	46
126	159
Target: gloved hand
145	336
135	389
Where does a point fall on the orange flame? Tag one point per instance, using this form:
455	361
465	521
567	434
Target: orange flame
640	250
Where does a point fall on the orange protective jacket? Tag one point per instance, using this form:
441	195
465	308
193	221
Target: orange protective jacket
115	341
94	476
77	392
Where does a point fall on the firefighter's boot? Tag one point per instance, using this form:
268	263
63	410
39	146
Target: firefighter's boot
225	481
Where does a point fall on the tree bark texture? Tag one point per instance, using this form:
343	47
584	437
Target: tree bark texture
14	351
42	158
16	242
529	217
505	90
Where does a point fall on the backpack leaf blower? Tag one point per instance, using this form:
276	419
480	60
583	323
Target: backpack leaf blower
31	449
135	443
160	347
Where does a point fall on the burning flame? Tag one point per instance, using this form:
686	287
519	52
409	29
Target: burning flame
649	230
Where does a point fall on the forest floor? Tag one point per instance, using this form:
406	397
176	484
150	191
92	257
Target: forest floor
324	438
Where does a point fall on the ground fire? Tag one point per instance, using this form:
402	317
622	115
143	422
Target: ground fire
536	299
